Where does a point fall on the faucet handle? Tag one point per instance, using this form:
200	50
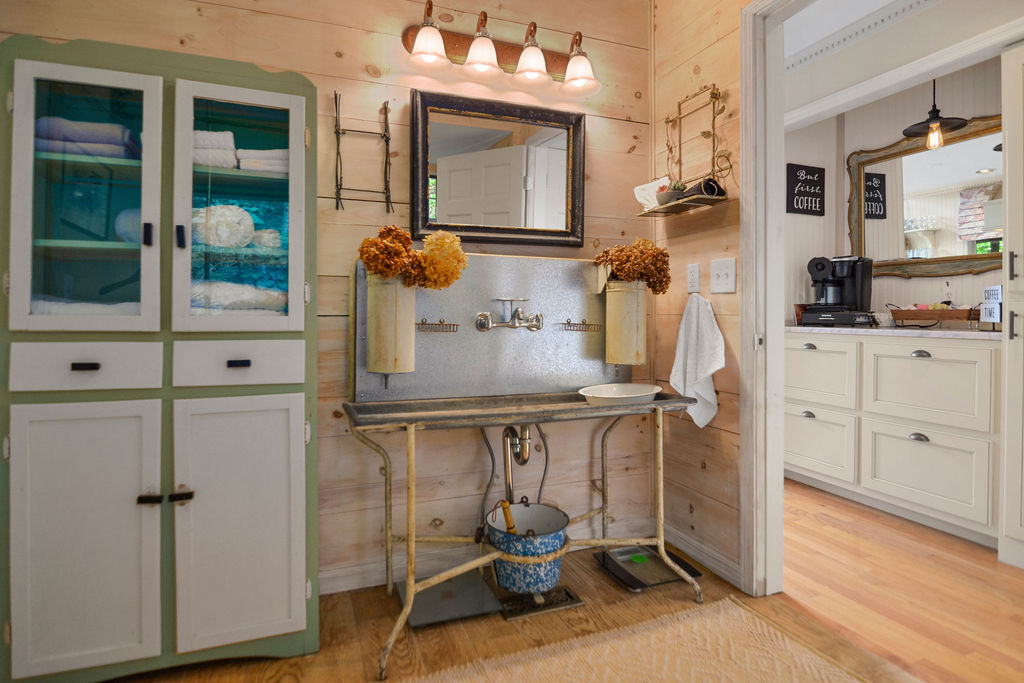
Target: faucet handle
535	322
510	298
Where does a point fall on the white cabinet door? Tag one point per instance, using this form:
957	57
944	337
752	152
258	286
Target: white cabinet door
1012	473
1013	169
85	556
85	199
239	208
822	369
240	543
821	440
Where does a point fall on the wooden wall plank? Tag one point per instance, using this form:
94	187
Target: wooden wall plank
706	460
332	293
709	521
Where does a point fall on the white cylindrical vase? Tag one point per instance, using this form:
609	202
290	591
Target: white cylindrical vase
625	339
390	325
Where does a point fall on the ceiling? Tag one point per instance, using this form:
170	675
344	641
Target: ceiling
823	18
953	165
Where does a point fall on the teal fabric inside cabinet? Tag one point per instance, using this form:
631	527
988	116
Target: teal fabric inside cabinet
158	361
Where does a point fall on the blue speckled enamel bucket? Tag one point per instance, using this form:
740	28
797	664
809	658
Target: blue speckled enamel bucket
547	525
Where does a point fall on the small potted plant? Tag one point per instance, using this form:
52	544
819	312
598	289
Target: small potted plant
629	271
671	192
393	271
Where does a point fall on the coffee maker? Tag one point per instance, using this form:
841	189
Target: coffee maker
842	292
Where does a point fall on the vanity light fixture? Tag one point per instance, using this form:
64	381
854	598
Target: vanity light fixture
428	50
935	126
579	75
482	61
532	70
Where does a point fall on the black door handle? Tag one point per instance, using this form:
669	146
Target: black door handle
240	363
84	367
1012	275
147	234
180	496
149	499
179	233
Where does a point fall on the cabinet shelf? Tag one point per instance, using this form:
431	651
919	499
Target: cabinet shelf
116	169
683	205
87	249
268	256
238	181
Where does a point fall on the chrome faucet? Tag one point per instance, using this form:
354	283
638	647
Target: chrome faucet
515	318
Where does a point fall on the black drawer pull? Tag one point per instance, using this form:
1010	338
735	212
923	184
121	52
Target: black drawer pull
84	367
180	496
179	233
240	363
149	499
147	234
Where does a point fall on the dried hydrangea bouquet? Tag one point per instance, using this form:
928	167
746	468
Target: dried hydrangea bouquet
393	270
629	270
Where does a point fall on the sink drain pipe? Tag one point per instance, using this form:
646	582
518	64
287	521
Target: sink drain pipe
515	446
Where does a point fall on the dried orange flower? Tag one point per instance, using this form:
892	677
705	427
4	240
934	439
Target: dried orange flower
642	260
390	254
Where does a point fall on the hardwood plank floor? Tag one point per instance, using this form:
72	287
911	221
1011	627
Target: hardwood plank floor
861	586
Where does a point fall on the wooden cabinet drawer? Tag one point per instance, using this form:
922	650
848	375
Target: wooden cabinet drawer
823	441
239	361
822	370
64	366
945	385
942	471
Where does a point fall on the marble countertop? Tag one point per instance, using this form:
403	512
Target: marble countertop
899	332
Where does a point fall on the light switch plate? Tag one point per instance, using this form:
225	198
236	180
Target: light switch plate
693	278
723	275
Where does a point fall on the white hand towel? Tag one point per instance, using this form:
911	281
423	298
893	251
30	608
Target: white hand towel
213	139
266	154
271	165
220	158
700	352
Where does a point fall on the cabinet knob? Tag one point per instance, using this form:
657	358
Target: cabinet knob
182	495
918	436
85	367
179	234
808	413
920	353
810	347
149	499
240	363
147	234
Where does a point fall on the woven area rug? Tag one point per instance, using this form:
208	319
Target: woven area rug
723	641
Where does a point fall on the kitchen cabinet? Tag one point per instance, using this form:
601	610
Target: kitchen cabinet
146	359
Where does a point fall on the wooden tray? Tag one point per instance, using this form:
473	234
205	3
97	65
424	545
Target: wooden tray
944	315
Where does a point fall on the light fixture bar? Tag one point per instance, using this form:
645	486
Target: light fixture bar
456	46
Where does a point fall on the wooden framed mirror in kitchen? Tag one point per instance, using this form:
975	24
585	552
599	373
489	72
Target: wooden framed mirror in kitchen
496	171
915	241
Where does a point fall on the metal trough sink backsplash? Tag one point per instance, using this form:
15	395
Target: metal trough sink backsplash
500	361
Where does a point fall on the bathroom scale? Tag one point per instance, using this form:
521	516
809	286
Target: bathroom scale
466	595
637	567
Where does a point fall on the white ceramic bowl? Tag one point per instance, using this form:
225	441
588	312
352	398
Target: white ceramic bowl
616	394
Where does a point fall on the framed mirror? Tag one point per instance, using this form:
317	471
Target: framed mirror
928	213
496	172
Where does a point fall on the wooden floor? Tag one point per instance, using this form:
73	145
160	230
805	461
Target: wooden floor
934	605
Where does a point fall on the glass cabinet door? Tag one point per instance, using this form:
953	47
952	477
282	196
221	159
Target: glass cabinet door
239	187
85	199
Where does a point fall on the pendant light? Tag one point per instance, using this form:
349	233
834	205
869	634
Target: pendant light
935	126
482	61
428	50
532	70
579	74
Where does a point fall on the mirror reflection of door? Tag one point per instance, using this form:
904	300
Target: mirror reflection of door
944	202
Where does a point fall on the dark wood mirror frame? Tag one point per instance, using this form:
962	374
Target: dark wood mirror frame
915	267
423	103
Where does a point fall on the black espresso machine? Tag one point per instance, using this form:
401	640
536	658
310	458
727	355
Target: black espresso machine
842	292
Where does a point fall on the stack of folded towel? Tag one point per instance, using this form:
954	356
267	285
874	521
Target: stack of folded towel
56	134
275	160
214	148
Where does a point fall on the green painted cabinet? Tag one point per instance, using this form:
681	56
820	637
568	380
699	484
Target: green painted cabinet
159	361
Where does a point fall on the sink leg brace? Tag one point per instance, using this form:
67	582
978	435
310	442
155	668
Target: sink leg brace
412	587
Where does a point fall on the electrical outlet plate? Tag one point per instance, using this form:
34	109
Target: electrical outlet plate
693	278
723	275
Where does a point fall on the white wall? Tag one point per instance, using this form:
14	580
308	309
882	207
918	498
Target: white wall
971	92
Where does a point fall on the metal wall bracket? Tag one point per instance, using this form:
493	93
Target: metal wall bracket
721	161
339	132
7	449
307	432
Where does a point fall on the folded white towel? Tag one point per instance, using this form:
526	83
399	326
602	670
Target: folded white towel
700	352
233	296
219	158
128	225
92	149
279	154
213	139
267	238
647	194
57	128
271	165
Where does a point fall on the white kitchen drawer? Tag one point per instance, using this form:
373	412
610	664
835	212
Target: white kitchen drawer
823	441
239	361
822	370
942	471
947	385
62	366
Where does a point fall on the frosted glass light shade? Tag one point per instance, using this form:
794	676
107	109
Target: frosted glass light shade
532	71
579	77
428	50
482	61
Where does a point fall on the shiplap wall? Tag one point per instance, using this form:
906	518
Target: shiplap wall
355	48
696	44
971	92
